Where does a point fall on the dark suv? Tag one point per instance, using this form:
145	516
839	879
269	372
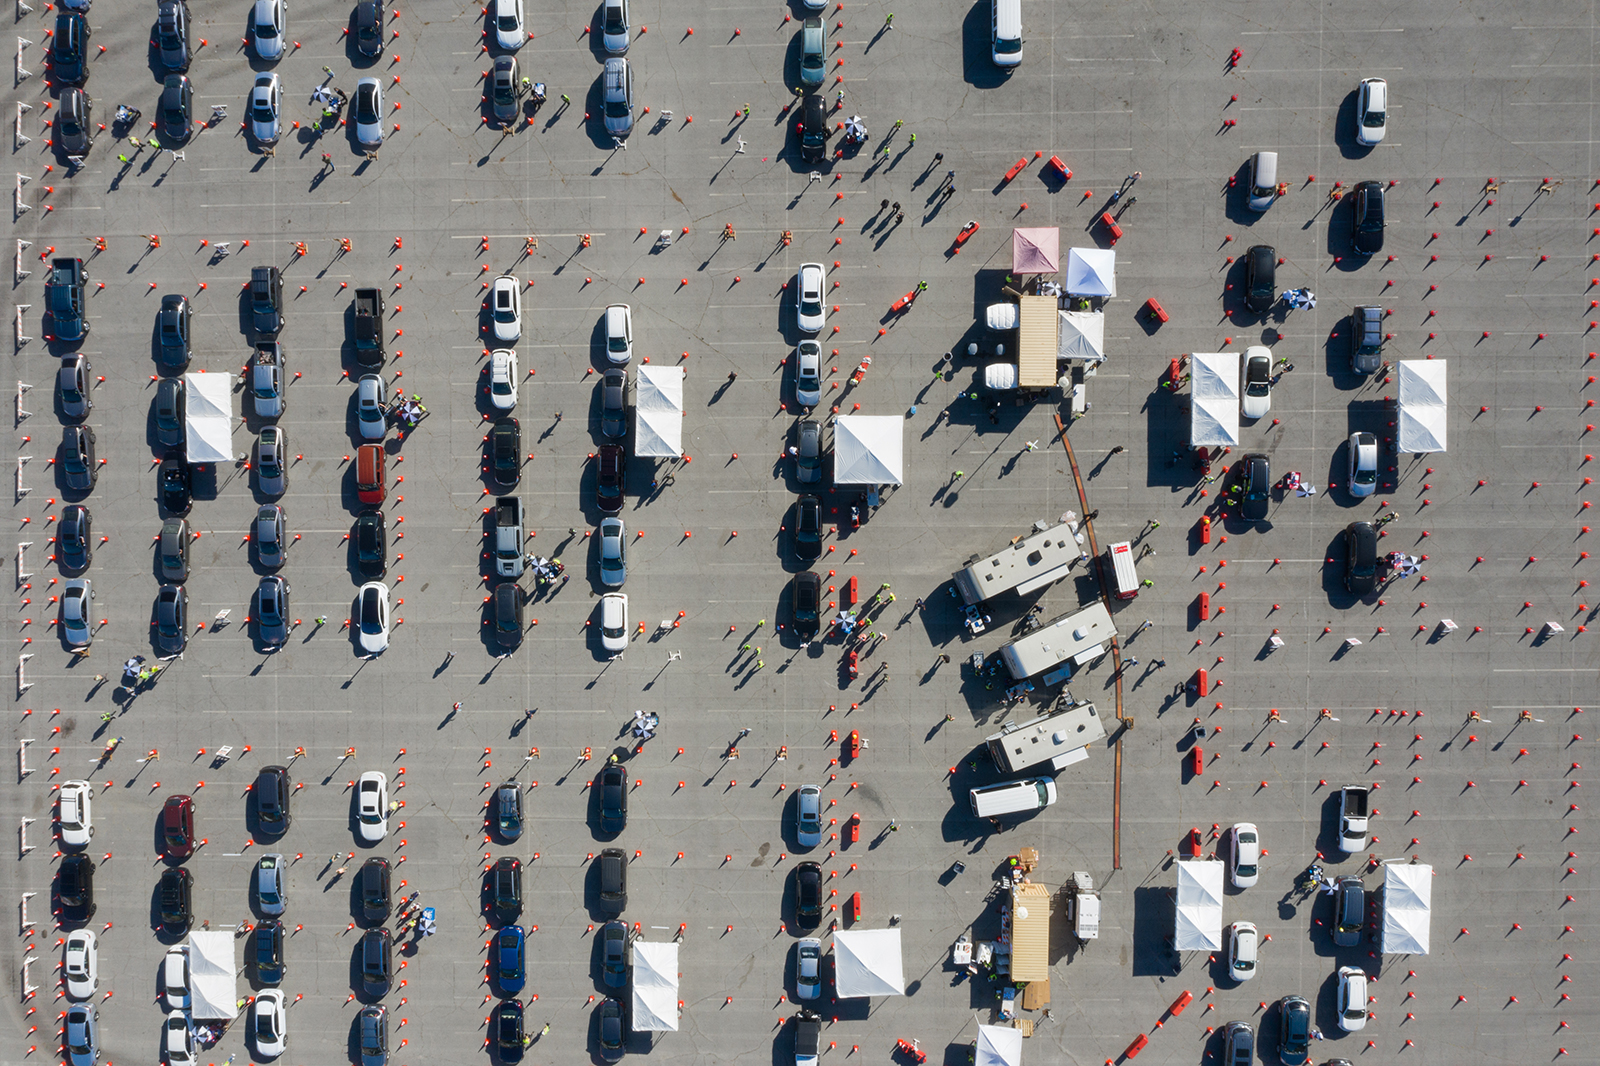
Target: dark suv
74	539
1255	487
177	887
270	966
272	800
1360	558
376	961
1349	911
1366	218
505	889
374	885
1261	278
63	295
266	301
1366	339
75	890
172	34
69	49
813	129
807	600
79	469
172	332
611	461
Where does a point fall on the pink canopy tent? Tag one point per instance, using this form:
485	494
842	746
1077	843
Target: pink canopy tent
1036	250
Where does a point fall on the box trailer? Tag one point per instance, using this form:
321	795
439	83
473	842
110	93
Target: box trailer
1027	564
1072	642
1059	739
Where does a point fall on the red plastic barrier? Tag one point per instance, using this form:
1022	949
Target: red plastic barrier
1137	1046
1198	763
1174	369
1111	226
1061	168
1017	169
855	906
852	829
1154	309
1204	606
1188	996
852	590
1205	534
1202	683
1194	844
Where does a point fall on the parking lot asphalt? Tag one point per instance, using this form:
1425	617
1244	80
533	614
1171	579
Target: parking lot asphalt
1487	166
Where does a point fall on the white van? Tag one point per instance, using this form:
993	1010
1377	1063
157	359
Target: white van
1005	32
1124	578
1013	797
1263	180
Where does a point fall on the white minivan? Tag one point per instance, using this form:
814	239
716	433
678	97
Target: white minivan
1013	797
1005	32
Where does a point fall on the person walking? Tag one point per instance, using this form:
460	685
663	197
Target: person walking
1118	450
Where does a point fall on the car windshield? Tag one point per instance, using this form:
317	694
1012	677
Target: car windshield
1008	46
266	31
501	386
69	125
506	22
1258	388
1365	476
811	302
174	112
617	343
812	61
1373	119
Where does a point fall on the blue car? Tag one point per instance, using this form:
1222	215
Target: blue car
510	959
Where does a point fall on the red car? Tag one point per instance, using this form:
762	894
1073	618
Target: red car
177	827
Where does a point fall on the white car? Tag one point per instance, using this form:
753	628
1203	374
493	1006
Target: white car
265	108
77	824
503	378
619	334
507	18
1243	945
269	1023
811	314
368	111
808	816
808	968
614	621
177	1041
372	394
1352	998
1363	476
505	309
372	617
270	20
81	964
372	806
808	374
272	891
1353	833
175	978
1244	856
613	552
1372	111
1255	393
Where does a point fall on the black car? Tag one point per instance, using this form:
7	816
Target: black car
1366	339
614	403
74	539
508	811
172	619
172	548
172	34
369	28
64	296
1261	278
613	863
171	408
75	889
172	332
1349	911
813	129
505	452
373	1024
1360	558
613	789
1294	1031
69	49
272	792
505	889
611	462
172	482
75	123
377	963
373	882
613	1029
505	611
508	1030
614	953
79	467
807	603
807	1035
1367	218
1255	486
808	527
372	544
176	108
808	894
176	894
270	966
266	301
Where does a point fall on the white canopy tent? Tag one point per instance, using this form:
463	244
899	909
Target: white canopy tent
212	996
655	987
1422	405
867	449
208	419
1214	398
866	962
658	412
1091	272
1199	921
1407	903
999	1045
1083	336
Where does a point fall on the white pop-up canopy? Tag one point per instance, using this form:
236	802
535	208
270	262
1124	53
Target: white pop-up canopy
867	449
1199	921
1422	405
1407	903
999	1045
655	987
1214	398
212	996
658	412
208	419
1083	336
1091	272
866	962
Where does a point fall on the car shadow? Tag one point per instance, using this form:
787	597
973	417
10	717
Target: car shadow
977	56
